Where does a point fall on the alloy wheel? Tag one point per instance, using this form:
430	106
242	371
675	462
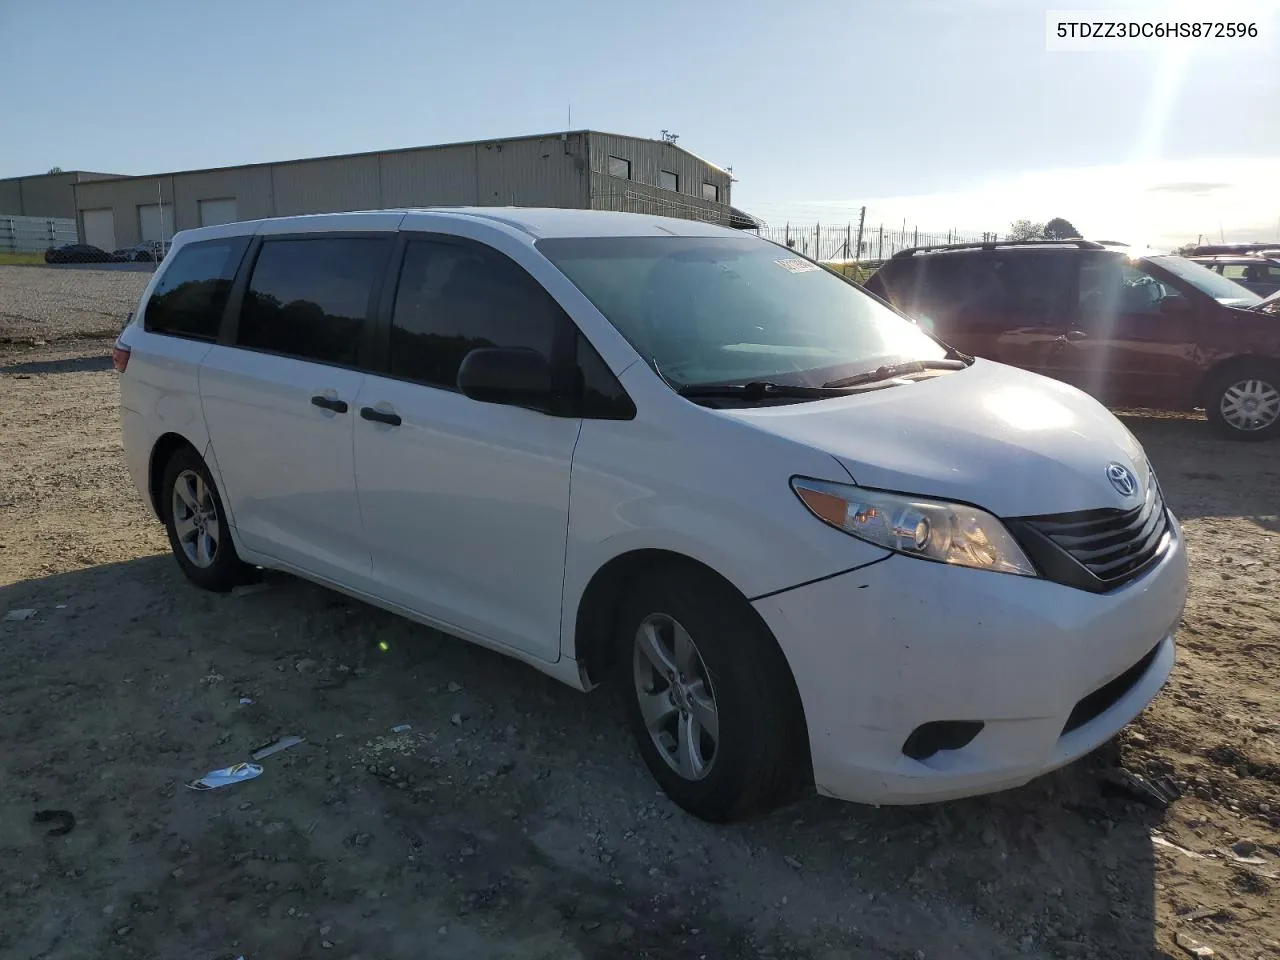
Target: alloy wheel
1250	405
195	518
676	697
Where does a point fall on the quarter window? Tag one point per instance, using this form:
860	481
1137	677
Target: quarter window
191	294
455	298
620	168
310	298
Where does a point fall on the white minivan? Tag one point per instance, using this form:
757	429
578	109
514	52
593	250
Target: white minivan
809	542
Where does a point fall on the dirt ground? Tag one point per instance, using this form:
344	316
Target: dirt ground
514	819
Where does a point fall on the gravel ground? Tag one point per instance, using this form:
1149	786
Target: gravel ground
514	819
65	302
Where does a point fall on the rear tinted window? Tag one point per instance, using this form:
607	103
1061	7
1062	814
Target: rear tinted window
310	298
191	294
979	287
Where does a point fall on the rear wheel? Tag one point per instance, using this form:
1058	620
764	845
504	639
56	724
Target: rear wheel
709	696
197	524
1243	402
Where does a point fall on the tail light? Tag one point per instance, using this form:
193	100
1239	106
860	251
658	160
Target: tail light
119	357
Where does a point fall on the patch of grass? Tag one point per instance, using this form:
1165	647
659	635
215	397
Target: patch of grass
20	259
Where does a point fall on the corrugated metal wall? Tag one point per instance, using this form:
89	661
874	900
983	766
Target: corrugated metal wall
44	195
649	158
547	172
249	186
558	170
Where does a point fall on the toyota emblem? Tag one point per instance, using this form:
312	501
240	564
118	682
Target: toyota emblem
1122	479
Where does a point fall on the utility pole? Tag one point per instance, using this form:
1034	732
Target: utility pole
862	217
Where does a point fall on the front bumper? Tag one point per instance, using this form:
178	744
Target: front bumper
879	651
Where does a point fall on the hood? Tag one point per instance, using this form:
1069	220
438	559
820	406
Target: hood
1011	442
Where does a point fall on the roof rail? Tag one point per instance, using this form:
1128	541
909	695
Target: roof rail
993	244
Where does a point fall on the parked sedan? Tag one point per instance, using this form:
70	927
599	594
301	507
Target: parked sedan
1259	274
76	253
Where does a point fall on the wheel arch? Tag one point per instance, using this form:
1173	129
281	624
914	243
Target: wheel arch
1222	367
597	611
161	452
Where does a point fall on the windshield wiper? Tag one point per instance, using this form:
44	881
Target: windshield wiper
895	370
759	390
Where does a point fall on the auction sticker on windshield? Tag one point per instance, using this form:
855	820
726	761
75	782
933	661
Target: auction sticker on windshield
796	265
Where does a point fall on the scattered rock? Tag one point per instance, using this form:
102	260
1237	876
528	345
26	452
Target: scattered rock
1194	947
590	925
988	837
123	931
306	665
25	613
456	719
1244	848
793	862
454	687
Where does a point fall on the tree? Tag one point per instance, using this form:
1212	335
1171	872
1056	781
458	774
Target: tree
1026	230
55	169
1060	229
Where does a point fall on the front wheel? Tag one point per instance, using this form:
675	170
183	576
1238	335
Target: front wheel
1243	403
709	696
197	524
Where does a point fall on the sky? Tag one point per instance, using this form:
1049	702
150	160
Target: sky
943	113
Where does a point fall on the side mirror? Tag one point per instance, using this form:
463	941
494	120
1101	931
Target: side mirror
515	376
1174	304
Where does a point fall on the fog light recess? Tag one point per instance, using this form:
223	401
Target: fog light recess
929	738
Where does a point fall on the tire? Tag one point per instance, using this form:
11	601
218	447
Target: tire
201	541
733	666
1243	401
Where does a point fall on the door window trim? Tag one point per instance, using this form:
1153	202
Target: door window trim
230	326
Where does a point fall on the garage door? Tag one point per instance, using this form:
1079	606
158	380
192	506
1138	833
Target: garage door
100	228
217	211
156	221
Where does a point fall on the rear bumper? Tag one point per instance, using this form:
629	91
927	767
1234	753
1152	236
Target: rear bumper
880	651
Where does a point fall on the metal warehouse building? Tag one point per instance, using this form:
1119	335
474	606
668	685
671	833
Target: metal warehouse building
581	169
44	195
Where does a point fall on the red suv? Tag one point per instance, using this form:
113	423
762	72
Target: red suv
1132	328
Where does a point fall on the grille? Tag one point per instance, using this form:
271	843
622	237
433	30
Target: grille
1113	545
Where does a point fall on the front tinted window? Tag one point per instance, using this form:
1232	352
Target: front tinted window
191	294
1116	285
310	298
455	298
719	309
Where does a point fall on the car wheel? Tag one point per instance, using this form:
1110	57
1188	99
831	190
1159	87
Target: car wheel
709	696
1243	402
197	524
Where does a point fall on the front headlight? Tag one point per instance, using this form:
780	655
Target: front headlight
916	526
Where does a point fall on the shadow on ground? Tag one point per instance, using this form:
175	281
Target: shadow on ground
513	818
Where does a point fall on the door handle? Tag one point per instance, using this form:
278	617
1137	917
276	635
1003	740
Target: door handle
380	416
328	403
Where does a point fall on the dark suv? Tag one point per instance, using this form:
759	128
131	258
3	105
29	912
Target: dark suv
1133	328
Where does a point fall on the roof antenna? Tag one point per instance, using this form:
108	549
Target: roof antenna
570	127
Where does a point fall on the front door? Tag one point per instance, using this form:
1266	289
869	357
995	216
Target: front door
280	402
1131	339
466	504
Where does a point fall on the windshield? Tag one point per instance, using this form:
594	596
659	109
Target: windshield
728	309
1207	281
